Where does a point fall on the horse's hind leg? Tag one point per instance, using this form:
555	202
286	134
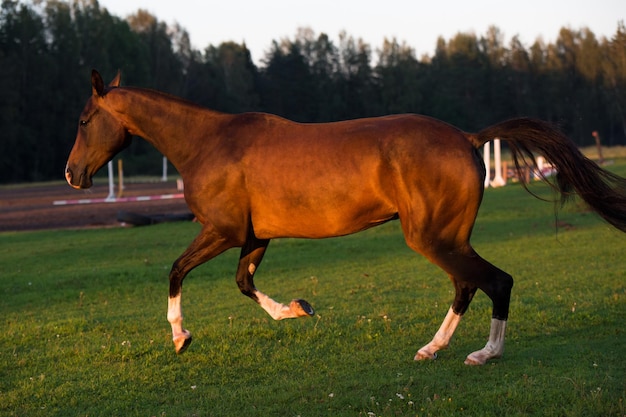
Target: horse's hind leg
470	272
442	338
497	285
251	256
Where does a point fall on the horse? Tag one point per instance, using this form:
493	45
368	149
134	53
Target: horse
253	177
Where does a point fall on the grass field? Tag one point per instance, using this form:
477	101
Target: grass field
85	332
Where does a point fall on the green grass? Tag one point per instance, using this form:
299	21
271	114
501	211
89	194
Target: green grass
85	332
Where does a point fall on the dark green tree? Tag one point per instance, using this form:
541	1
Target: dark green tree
25	112
234	77
356	87
398	79
287	83
164	66
613	67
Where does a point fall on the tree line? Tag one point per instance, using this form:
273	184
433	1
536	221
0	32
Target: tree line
48	48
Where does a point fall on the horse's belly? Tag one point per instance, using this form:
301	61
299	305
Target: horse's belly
319	221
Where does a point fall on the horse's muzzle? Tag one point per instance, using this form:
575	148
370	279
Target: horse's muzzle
83	180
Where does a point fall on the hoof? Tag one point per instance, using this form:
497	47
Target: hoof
424	356
479	358
473	361
182	343
301	308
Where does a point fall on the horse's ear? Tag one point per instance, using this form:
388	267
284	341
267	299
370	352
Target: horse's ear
116	81
97	85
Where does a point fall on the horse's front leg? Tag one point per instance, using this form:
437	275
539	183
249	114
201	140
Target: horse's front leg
205	246
251	256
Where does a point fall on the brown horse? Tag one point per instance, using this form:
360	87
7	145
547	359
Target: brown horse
253	177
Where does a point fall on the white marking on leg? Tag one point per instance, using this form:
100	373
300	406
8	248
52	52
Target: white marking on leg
275	309
442	337
175	317
494	347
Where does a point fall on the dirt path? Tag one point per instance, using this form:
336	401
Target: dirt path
32	208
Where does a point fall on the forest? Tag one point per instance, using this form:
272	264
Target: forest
48	48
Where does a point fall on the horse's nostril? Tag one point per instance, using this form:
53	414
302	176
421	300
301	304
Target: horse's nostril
68	175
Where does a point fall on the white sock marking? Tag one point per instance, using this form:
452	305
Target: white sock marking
175	316
442	337
277	310
494	347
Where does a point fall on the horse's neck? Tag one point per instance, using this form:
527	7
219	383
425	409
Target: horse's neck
168	123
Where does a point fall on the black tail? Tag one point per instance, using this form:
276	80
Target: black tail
603	191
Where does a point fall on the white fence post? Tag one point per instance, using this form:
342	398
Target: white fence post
111	196
497	181
164	177
487	160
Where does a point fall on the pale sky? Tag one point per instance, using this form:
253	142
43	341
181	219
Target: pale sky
418	22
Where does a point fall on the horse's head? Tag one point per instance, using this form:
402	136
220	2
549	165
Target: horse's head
100	136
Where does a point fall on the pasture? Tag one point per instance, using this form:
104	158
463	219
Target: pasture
85	332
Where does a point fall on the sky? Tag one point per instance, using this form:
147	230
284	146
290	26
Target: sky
419	23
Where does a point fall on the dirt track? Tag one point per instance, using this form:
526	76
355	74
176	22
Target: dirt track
31	207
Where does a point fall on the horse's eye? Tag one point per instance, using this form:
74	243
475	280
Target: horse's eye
83	122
